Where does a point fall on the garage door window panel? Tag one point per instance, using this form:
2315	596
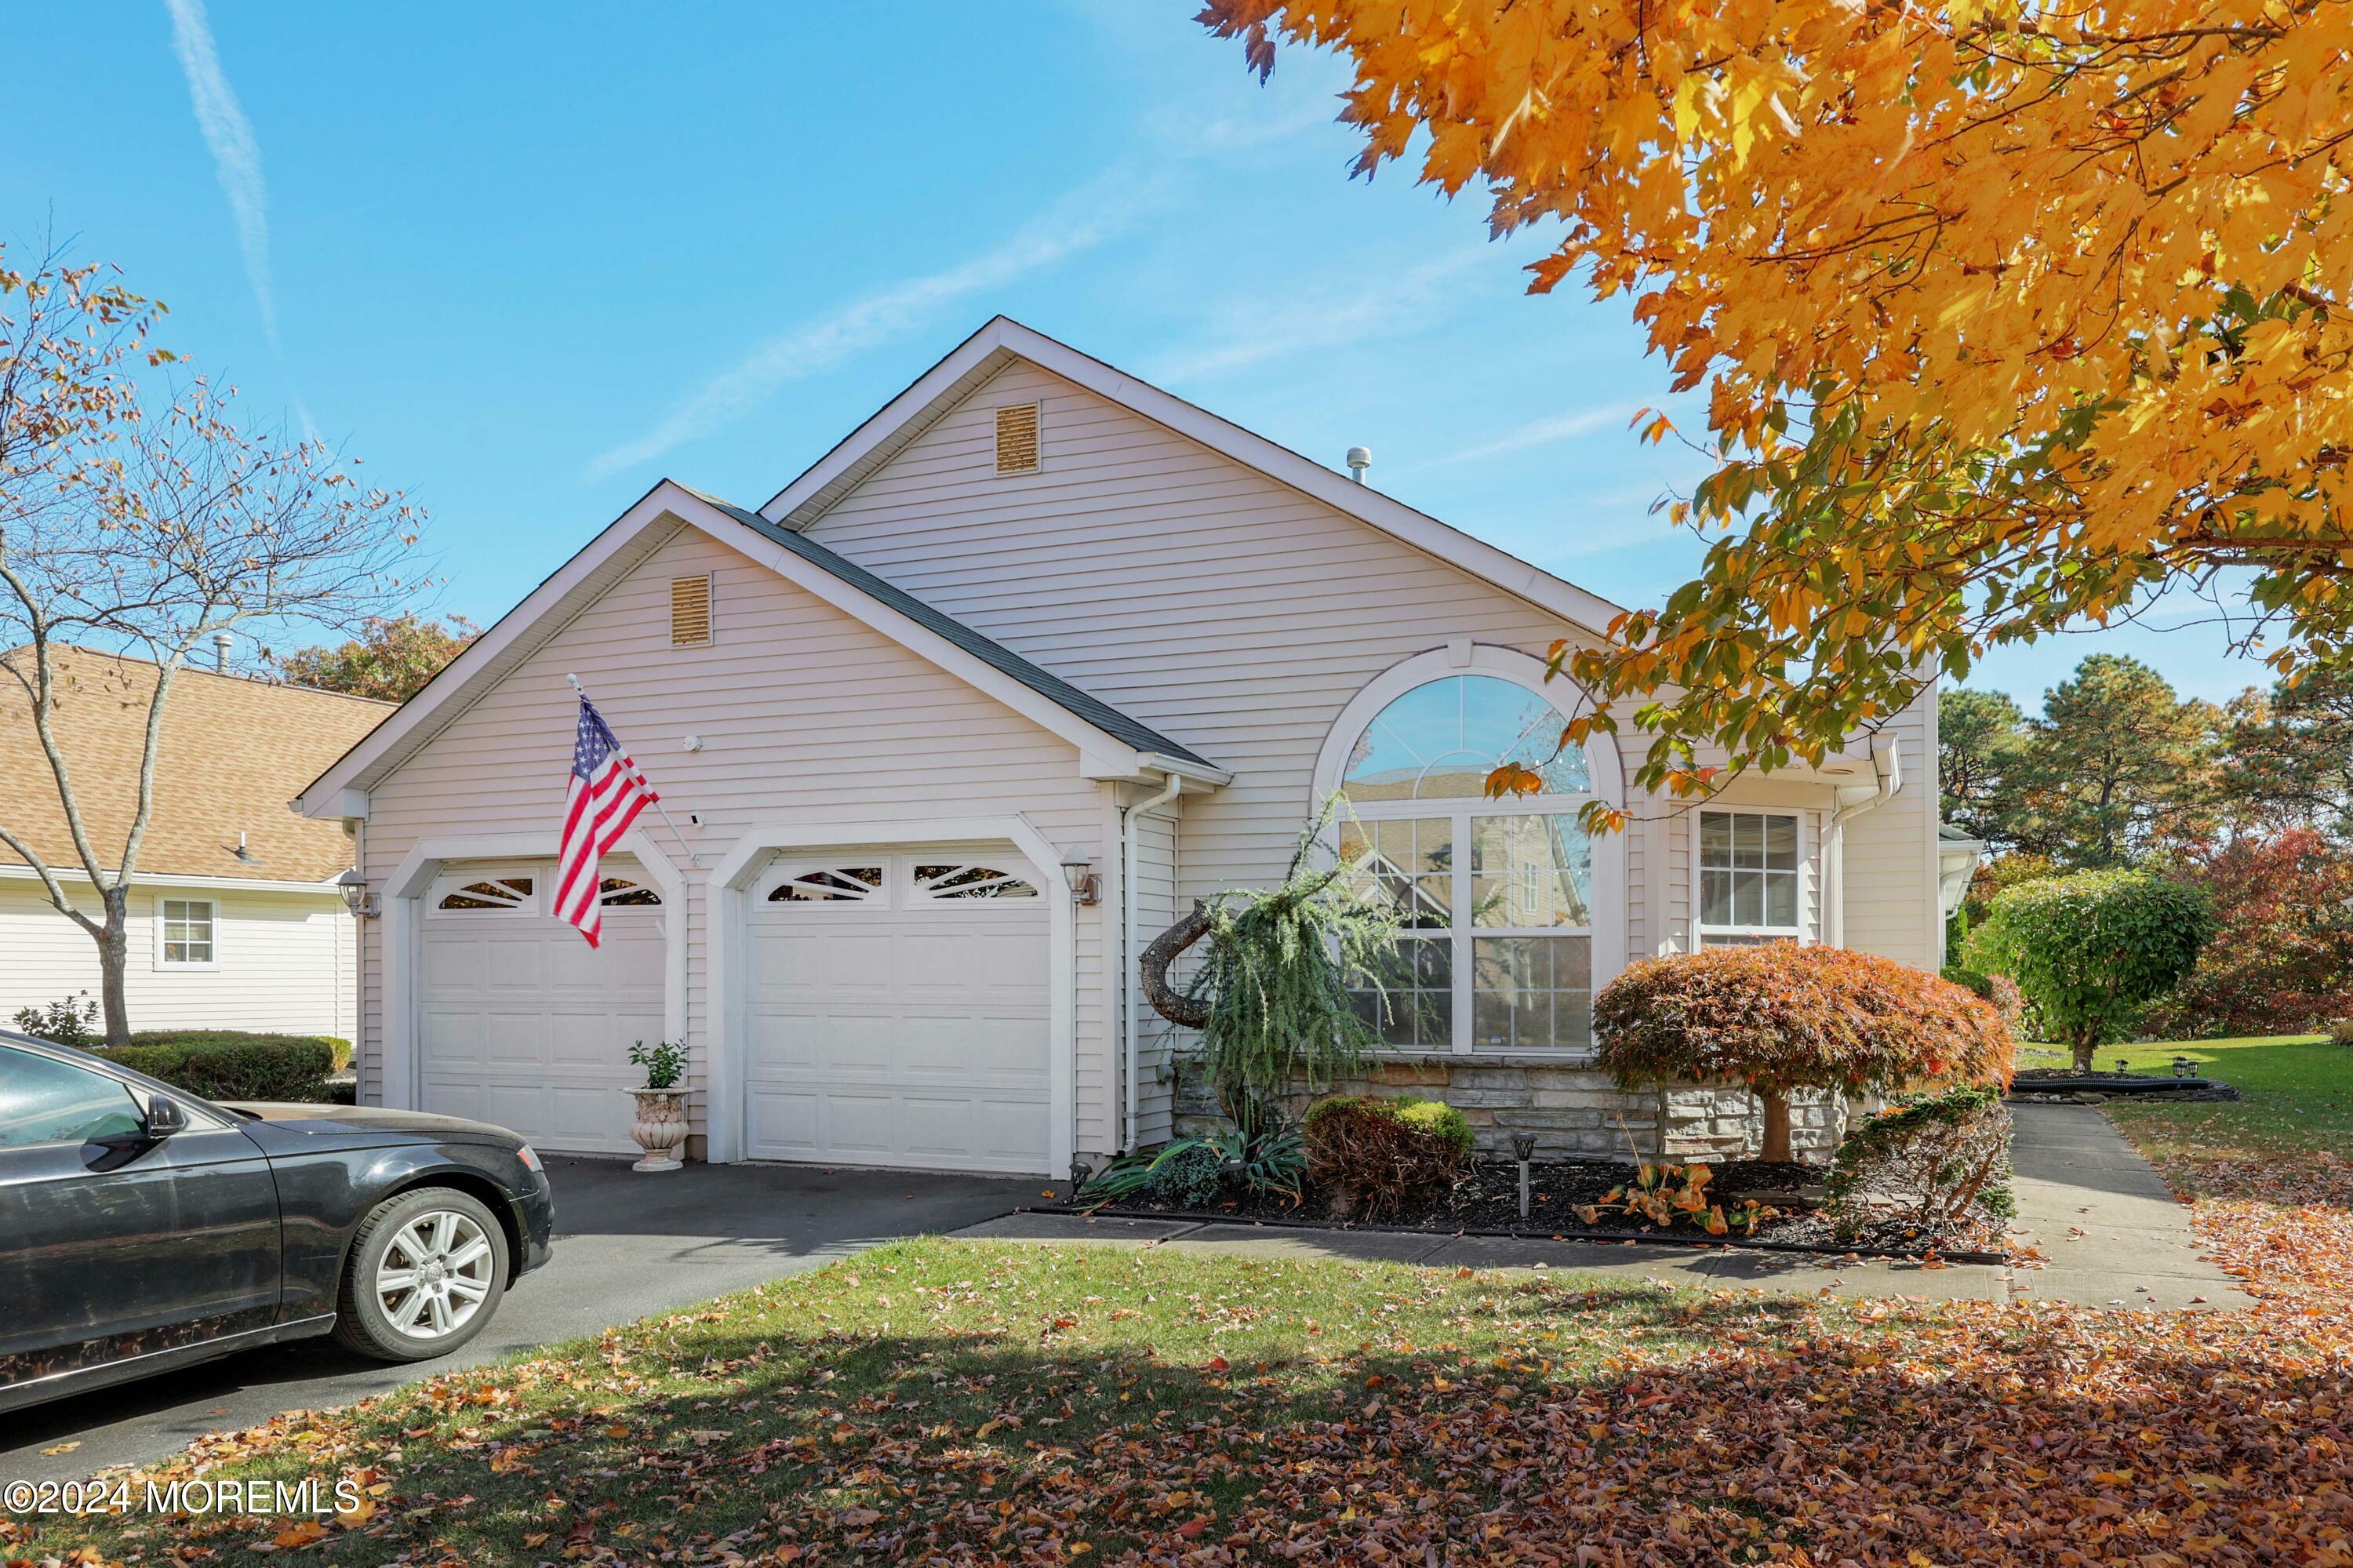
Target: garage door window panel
488	895
829	884
969	881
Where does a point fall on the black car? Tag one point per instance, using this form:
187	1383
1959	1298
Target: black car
142	1228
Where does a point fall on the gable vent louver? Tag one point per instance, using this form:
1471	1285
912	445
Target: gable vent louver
1016	438
689	611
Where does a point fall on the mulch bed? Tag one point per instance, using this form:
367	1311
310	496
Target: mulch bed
1487	1203
2066	1084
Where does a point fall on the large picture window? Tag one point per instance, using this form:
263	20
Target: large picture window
1496	896
1749	878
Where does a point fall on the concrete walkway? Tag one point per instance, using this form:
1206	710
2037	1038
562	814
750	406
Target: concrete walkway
2114	1235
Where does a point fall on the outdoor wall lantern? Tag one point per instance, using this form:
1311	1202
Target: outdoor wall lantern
352	885
1080	872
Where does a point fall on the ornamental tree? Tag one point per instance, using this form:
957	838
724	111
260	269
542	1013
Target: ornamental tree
2091	949
2007	314
138	522
1782	1017
390	659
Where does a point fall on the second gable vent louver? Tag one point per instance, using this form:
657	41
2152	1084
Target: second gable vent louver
1016	438
689	611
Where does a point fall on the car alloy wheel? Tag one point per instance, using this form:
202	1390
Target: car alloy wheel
436	1274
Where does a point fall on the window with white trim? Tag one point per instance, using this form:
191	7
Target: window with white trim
1495	897
1750	878
185	939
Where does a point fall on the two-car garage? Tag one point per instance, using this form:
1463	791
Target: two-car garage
892	1005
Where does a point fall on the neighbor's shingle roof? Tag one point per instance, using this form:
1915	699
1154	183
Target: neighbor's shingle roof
1053	688
234	752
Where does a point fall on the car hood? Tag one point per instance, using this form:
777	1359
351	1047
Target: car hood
423	1126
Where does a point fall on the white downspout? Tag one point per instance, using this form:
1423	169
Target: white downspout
1130	846
1889	767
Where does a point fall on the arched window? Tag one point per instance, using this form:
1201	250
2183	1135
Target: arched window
1499	898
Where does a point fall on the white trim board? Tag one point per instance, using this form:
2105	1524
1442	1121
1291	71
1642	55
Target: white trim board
729	883
1003	340
144	880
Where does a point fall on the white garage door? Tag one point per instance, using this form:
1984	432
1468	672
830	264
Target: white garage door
520	1022
897	1011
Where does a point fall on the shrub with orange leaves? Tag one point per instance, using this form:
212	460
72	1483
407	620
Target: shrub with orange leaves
1782	1017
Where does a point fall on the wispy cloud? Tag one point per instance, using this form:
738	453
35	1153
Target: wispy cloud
236	157
1410	301
1566	427
1081	220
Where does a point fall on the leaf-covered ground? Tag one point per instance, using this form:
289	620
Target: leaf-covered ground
971	1403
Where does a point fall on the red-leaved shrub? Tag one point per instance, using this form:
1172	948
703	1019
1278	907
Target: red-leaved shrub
1783	1017
2281	960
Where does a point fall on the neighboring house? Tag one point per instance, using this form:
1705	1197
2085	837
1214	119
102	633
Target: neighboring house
1036	622
236	920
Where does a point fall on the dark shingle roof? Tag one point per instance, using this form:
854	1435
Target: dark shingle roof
995	654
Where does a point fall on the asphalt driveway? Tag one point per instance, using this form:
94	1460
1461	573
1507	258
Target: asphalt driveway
628	1245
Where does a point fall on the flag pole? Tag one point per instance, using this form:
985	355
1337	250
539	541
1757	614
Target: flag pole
691	858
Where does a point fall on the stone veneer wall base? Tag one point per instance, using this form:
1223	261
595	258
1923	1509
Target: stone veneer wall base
1573	1109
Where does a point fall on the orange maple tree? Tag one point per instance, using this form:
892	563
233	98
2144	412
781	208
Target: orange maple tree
2009	315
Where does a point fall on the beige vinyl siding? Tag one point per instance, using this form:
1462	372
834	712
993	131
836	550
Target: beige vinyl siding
800	709
282	960
1230	612
1891	853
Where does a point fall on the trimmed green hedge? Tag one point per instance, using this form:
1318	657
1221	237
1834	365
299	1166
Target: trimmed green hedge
227	1065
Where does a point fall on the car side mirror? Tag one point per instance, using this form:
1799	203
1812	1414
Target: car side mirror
165	1117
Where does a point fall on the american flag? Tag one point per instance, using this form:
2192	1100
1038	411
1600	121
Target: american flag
604	797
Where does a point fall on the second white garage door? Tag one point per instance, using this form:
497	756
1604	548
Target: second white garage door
897	1011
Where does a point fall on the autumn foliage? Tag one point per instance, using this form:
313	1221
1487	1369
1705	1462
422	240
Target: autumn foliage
2005	313
1782	1017
2281	960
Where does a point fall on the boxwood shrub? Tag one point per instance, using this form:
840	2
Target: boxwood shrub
229	1065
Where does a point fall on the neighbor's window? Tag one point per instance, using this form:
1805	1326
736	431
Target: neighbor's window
187	931
1748	878
1495	897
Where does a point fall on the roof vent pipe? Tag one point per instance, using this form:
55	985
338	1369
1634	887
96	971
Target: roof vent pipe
221	642
1359	459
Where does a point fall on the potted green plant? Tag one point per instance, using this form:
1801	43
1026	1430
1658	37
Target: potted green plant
661	1125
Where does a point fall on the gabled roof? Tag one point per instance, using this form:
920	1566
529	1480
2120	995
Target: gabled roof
232	750
1003	340
1111	744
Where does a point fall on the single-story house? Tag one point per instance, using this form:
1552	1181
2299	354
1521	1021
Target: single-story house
960	718
236	920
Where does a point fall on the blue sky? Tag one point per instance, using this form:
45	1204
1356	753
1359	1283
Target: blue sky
525	267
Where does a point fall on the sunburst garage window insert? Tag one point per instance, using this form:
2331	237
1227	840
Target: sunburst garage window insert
1495	897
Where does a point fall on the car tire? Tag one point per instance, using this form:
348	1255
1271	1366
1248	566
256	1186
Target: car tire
427	1270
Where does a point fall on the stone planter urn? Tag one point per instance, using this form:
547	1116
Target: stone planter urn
660	1127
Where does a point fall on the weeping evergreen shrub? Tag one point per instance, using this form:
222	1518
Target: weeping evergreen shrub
1276	972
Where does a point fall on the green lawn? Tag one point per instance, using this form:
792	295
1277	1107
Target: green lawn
814	1400
2297	1098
